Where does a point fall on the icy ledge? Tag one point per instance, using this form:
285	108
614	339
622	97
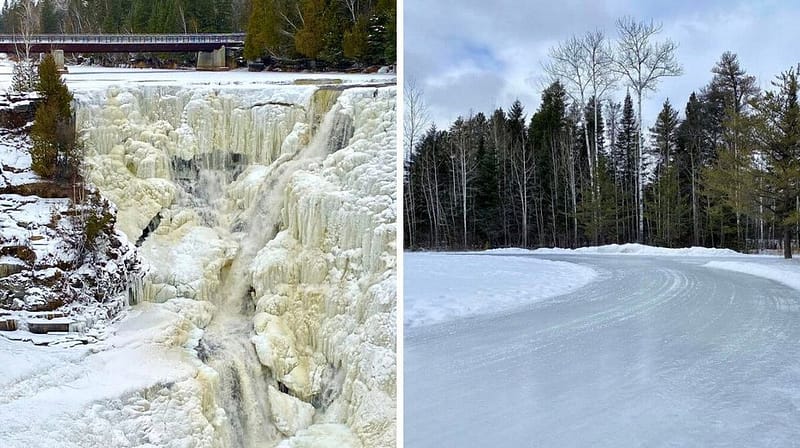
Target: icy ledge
440	287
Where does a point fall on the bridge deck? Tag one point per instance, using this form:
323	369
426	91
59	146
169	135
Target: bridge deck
120	43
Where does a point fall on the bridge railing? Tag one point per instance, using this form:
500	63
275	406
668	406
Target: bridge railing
121	38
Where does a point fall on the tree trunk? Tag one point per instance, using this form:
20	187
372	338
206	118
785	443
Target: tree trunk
695	226
639	198
787	241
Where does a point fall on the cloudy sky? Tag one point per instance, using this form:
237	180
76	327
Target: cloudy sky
476	55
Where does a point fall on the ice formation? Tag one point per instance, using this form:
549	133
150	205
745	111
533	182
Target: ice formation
273	206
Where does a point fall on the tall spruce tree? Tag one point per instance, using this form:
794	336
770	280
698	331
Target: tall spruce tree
666	210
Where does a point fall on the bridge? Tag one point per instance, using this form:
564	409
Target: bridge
210	48
120	43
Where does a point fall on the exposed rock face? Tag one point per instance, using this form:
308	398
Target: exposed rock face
17	110
59	249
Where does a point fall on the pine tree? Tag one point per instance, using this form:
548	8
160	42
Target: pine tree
263	30
54	152
664	192
624	161
728	95
778	126
487	197
693	153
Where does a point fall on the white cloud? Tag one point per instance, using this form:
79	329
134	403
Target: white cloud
517	36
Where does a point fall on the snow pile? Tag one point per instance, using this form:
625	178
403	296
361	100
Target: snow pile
787	273
325	285
629	249
443	286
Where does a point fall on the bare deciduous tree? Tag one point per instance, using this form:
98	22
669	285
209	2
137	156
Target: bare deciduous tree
642	63
415	120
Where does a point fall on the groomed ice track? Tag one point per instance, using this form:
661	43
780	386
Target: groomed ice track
658	351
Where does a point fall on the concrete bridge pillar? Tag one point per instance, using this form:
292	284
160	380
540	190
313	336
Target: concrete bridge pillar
58	55
213	60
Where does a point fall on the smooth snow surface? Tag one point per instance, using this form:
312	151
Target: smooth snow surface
441	287
657	352
639	249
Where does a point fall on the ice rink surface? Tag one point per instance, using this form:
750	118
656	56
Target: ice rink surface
657	351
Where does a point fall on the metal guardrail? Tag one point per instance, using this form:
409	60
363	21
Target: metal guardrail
122	38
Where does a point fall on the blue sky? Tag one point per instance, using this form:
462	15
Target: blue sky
476	55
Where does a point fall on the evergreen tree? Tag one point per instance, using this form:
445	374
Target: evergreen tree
546	133
727	97
487	197
49	19
693	153
259	30
54	152
778	127
624	161
666	210
356	39
308	39
24	77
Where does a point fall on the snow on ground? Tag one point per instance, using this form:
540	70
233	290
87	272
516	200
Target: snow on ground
90	77
120	392
625	249
785	272
446	286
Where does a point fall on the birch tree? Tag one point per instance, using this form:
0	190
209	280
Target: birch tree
415	120
642	62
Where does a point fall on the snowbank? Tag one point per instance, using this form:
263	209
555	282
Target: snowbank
441	287
787	274
627	249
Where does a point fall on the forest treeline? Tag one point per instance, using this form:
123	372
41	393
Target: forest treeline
722	169
334	32
124	16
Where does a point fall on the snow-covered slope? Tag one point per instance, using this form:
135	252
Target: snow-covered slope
273	206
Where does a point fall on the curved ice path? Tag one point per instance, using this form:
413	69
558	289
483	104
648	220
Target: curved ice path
659	351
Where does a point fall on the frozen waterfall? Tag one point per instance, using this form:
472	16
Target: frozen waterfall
273	207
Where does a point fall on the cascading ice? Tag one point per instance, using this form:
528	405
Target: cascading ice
276	204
